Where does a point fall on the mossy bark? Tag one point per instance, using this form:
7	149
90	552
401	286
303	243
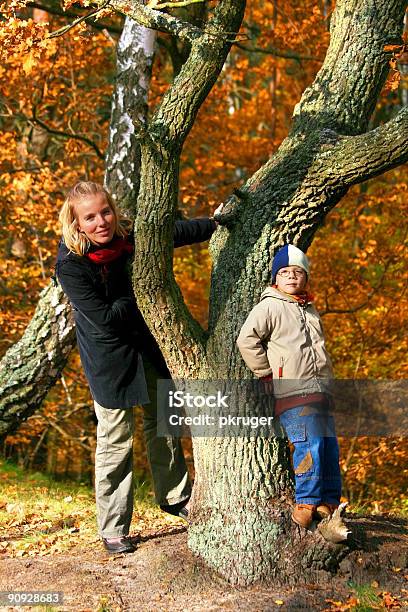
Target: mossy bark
32	366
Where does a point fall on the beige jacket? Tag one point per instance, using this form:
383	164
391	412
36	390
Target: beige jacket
283	338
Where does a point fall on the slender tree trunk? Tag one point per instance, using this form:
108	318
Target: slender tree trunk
32	366
135	54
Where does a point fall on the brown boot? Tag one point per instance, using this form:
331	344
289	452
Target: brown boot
303	515
324	510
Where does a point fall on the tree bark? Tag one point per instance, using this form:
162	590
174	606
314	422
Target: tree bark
345	91
156	290
33	365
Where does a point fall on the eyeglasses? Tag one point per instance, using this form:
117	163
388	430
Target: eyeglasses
296	272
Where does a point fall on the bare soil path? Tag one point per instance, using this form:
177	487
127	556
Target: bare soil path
163	575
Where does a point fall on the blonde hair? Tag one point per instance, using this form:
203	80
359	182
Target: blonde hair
75	240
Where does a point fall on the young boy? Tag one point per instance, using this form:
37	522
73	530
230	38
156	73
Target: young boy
282	343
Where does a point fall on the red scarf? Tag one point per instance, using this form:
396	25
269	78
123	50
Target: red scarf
303	298
107	254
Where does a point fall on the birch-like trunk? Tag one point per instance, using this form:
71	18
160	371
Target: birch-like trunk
134	59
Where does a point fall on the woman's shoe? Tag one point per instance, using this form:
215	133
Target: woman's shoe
119	545
179	509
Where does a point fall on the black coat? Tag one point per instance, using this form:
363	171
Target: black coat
111	331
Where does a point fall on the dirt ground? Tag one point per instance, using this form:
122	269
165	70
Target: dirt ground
163	575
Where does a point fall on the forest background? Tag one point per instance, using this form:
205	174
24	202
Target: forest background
55	111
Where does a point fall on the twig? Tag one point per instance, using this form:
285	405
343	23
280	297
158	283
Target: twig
67	436
40	257
32	455
72	25
278	53
23	169
157	5
354	309
66	389
77	408
62	134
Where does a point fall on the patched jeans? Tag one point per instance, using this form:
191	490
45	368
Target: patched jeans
316	454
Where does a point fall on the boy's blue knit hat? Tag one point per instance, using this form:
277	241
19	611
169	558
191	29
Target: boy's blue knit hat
289	255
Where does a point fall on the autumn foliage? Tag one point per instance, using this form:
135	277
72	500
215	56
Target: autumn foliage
55	114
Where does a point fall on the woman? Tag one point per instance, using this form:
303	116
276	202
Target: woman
120	357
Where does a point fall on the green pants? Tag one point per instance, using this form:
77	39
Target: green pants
114	463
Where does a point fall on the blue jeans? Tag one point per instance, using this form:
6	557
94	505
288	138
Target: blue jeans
316	455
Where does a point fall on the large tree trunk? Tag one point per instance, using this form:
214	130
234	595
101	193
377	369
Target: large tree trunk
241	523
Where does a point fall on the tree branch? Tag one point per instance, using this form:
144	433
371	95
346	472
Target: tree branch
341	98
158	6
77	21
53	10
157	292
198	73
32	365
22	169
356	159
62	134
155	20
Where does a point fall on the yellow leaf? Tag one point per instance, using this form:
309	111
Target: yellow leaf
29	63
